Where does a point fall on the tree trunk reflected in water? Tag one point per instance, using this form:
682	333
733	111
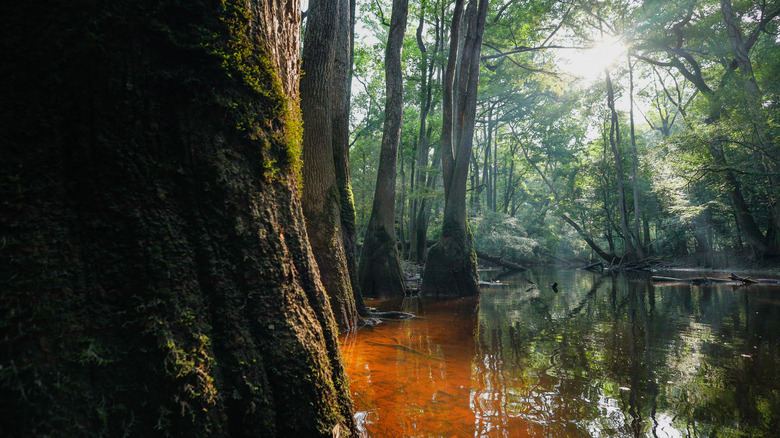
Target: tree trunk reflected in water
606	356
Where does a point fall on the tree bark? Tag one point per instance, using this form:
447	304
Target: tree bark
448	95
343	71
156	276
379	272
451	268
325	105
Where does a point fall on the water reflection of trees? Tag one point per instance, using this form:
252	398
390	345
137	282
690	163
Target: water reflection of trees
617	356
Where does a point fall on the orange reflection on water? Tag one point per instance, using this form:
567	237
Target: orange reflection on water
422	378
413	377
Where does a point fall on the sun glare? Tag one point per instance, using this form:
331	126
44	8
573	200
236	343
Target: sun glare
589	63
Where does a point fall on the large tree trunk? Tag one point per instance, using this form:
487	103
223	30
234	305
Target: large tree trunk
451	268
155	274
324	102
379	272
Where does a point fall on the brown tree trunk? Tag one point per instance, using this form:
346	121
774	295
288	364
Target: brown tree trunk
379	272
487	178
509	190
759	242
155	274
451	268
495	166
325	102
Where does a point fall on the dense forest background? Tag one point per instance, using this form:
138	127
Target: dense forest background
605	130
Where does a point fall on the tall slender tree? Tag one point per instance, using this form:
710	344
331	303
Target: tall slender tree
342	99
640	252
325	108
418	221
379	271
451	267
614	142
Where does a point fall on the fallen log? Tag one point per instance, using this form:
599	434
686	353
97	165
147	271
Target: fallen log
501	262
491	283
746	280
593	267
733	279
695	280
646	264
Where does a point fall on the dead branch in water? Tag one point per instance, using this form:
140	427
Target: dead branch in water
501	262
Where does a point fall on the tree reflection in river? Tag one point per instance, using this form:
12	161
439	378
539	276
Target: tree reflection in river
606	356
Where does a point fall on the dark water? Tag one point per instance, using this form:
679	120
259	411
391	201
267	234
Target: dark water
604	356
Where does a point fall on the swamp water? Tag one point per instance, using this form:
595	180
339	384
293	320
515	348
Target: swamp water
604	356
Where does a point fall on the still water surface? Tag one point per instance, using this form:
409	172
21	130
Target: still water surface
604	356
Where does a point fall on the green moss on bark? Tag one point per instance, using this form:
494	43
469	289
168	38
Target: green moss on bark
155	274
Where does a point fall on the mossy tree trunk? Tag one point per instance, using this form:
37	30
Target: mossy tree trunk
451	267
379	272
343	71
155	274
325	107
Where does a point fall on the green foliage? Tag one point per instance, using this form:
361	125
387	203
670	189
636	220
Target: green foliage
546	128
500	235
